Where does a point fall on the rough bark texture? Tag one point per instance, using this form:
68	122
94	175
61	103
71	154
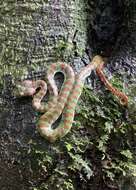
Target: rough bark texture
34	34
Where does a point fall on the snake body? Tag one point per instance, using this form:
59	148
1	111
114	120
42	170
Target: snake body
123	98
67	100
63	103
29	88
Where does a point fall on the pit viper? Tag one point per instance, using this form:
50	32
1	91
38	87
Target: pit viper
63	103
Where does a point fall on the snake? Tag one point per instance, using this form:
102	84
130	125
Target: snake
122	97
63	103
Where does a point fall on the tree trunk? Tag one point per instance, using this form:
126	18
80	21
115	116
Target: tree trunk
34	34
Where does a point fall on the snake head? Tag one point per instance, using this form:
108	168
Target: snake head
25	88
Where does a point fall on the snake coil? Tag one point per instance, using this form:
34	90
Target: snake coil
64	102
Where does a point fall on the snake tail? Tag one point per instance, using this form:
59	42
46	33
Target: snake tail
122	97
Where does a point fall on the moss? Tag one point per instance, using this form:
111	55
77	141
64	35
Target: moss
99	146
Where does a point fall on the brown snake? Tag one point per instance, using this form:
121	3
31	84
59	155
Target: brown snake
123	98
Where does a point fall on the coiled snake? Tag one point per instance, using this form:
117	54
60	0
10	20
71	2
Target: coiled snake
64	102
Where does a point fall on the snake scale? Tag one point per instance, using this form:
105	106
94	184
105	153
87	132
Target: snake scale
63	103
123	98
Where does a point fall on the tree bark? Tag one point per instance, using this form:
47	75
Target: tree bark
34	34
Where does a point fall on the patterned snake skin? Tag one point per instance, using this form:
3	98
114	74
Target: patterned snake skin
64	103
123	98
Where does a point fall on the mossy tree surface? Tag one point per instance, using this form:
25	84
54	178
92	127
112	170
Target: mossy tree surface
99	152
